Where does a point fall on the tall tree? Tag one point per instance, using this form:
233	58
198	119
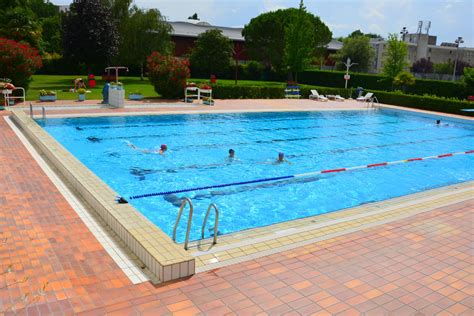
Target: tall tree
395	57
359	50
36	22
265	36
143	32
212	52
90	34
300	43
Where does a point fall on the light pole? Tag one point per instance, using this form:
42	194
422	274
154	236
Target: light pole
404	32
348	65
458	41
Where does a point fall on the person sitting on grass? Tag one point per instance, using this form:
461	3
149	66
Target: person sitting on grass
79	84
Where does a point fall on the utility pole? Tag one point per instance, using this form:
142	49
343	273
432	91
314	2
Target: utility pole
348	65
458	42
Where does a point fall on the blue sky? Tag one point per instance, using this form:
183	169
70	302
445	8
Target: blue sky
449	18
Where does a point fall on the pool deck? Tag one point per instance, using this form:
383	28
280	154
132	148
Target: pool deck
418	263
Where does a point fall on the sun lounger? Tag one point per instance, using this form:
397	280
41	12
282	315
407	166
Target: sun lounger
316	96
367	98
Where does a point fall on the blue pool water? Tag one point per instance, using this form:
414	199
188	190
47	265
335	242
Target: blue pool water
311	141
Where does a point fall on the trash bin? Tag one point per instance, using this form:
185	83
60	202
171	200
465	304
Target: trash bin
213	79
91	81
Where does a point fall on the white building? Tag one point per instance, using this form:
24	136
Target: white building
424	46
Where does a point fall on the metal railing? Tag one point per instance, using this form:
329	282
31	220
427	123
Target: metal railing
216	223
183	204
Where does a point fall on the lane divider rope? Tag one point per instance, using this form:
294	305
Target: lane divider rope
307	174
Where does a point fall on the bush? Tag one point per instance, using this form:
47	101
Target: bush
168	75
429	103
18	61
377	82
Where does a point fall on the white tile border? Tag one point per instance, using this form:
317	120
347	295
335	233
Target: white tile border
123	257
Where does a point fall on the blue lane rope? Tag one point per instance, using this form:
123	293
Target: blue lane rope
134	197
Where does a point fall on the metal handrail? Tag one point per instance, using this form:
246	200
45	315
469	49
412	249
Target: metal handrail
183	204
43	110
216	224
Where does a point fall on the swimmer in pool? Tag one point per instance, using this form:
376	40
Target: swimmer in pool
161	151
281	159
438	123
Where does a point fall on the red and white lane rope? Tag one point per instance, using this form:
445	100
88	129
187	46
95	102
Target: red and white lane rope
374	165
381	164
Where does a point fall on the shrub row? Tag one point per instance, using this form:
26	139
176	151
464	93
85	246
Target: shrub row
377	82
229	91
428	103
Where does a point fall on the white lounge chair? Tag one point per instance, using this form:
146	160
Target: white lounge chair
366	98
339	98
316	96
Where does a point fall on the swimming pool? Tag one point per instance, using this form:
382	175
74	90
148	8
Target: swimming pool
197	156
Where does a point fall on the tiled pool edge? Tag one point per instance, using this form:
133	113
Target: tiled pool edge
167	260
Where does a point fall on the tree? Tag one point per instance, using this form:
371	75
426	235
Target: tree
212	52
395	59
265	36
299	43
90	34
422	65
143	32
19	23
360	33
18	61
32	21
194	17
468	80
404	79
359	50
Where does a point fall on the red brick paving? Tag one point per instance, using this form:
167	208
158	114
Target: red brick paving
418	266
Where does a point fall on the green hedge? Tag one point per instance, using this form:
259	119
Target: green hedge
428	103
439	88
230	91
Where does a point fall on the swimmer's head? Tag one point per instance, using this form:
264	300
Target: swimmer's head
163	148
231	153
281	156
438	122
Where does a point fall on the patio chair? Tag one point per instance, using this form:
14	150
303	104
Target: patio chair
316	96
339	98
292	92
367	98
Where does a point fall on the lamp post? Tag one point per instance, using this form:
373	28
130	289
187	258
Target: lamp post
404	32
458	42
348	65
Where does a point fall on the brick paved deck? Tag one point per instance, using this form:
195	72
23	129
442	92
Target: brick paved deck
422	264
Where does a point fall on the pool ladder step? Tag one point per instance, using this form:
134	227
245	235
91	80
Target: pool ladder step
187	201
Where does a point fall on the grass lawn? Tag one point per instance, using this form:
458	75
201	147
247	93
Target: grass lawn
62	84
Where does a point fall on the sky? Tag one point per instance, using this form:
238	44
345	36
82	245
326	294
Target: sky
449	18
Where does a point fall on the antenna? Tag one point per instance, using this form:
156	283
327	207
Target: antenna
420	26
427	27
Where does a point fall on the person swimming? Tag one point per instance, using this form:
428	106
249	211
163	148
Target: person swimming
438	123
281	159
161	151
231	153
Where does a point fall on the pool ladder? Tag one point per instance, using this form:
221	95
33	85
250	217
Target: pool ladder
187	201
